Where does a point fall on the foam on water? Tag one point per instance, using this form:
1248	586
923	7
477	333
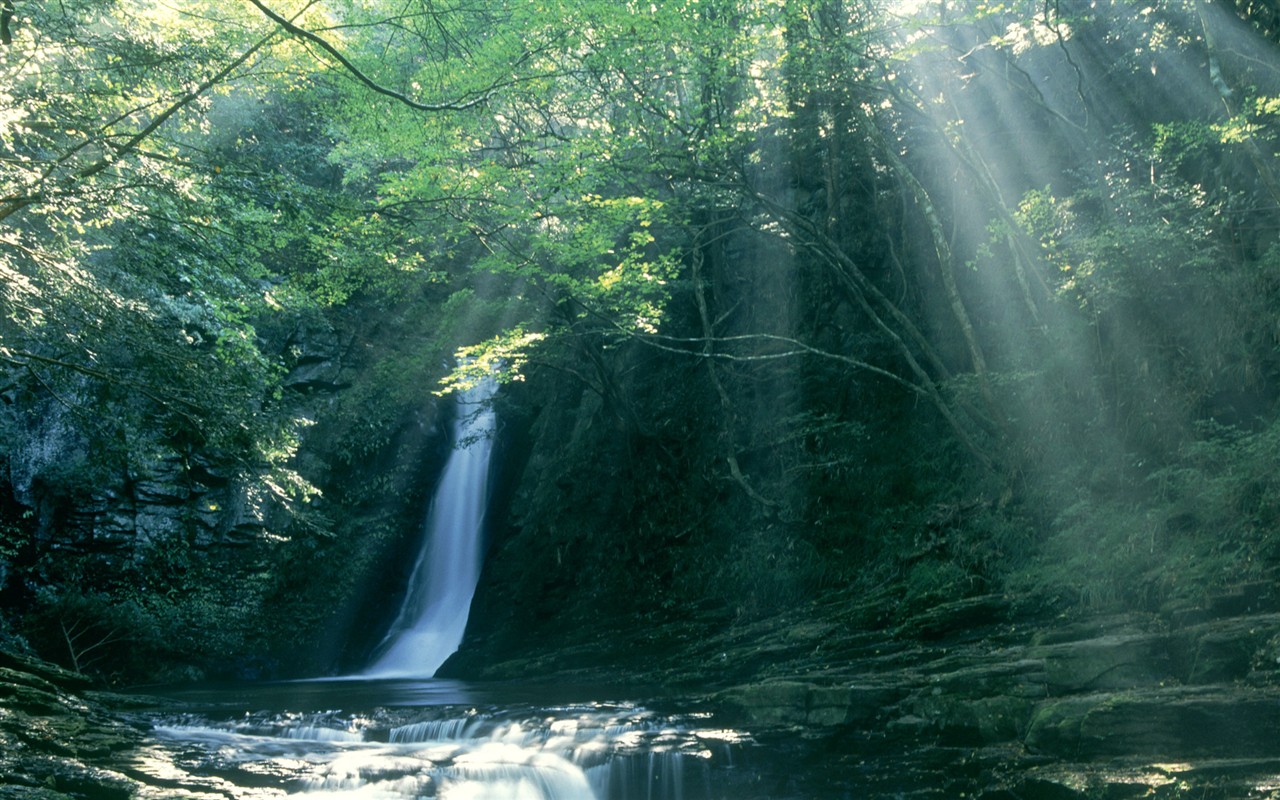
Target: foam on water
574	753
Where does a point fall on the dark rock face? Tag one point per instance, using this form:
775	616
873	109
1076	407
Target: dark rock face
162	495
163	491
315	355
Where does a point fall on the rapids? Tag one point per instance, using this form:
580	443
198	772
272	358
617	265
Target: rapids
431	740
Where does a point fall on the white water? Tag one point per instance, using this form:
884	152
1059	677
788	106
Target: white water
433	617
588	752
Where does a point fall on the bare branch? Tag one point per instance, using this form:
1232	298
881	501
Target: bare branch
726	405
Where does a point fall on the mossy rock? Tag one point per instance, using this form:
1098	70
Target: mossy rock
786	703
1107	662
1180	722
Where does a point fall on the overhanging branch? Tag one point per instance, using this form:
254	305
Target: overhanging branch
362	77
12	205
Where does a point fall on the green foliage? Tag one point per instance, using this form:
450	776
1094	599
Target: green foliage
1160	299
720	236
1225	483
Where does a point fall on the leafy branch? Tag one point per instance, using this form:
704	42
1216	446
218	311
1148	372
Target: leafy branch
27	360
360	75
16	203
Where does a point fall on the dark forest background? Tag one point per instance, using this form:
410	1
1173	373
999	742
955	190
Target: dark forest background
794	301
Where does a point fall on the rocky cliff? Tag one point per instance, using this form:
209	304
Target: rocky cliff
156	557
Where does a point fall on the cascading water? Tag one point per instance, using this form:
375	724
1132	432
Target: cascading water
433	617
585	752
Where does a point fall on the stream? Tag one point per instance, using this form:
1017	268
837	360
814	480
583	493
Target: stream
435	739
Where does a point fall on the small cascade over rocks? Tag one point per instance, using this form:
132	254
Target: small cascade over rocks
433	616
593	752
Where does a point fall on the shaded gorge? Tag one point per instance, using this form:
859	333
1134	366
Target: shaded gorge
890	400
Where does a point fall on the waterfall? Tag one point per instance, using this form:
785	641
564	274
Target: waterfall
433	617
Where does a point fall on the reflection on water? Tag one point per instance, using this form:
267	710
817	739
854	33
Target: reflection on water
328	693
431	739
321	694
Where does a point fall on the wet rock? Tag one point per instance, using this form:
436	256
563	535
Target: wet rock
1107	662
53	742
47	778
787	703
1034	789
1149	778
1172	723
30	793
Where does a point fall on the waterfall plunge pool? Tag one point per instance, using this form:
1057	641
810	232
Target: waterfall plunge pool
448	740
393	739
